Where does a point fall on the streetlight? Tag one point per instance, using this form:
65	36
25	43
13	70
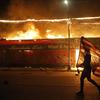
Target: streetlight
66	2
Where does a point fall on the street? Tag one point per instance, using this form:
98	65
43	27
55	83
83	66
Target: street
28	84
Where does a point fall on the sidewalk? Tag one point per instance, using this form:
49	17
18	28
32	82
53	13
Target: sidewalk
44	85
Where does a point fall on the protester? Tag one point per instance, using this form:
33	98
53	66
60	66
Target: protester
86	73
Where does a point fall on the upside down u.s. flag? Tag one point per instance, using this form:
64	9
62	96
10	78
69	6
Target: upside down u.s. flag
95	55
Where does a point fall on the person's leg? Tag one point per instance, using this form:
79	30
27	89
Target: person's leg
82	81
93	82
81	92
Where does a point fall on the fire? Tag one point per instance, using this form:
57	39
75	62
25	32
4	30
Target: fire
56	30
53	35
77	54
49	36
30	32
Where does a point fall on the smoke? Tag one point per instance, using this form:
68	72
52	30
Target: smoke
87	28
23	9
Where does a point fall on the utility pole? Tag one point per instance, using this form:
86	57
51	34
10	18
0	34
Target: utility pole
66	2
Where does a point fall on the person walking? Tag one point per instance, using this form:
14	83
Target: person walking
86	73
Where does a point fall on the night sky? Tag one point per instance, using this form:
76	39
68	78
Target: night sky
19	9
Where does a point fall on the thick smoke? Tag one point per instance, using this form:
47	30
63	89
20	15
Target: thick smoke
23	9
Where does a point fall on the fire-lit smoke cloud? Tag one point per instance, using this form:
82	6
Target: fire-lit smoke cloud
23	9
87	28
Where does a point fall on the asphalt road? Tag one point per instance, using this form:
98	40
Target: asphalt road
44	85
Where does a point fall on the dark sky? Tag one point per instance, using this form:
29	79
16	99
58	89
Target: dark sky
48	8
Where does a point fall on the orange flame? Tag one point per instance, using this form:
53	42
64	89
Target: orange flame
30	32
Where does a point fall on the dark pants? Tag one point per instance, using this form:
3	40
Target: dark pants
86	74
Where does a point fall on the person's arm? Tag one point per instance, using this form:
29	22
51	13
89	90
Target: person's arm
77	66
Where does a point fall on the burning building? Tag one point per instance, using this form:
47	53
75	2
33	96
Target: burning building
41	43
35	53
51	53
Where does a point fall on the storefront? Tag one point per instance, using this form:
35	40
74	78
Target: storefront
39	53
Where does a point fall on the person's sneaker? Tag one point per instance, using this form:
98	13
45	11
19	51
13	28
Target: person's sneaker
80	93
